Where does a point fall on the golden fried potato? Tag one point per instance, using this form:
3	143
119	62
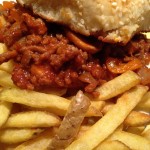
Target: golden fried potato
5	110
32	119
40	142
133	141
136	118
12	136
118	85
113	118
53	103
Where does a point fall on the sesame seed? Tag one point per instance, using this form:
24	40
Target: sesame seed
121	23
80	13
102	7
123	1
82	21
142	18
114	3
106	25
102	17
120	15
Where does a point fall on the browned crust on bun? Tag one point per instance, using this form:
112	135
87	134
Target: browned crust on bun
111	20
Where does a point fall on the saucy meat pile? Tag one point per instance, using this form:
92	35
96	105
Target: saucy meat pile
45	57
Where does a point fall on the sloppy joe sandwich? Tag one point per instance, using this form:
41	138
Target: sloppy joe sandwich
83	50
75	74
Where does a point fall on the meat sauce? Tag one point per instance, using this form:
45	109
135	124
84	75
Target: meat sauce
45	57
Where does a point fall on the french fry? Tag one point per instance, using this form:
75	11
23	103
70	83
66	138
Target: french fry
82	130
5	110
40	142
2	21
35	99
7	66
71	123
118	85
3	47
46	101
55	91
112	145
135	130
95	108
32	119
12	136
107	107
113	118
5	79
133	141
145	103
136	118
146	128
146	132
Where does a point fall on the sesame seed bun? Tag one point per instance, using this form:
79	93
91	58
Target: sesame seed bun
110	20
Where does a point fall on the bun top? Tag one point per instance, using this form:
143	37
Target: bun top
111	20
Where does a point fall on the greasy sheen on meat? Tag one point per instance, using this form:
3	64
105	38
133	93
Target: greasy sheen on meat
45	57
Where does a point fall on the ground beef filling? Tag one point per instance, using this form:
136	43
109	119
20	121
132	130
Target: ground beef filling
44	57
